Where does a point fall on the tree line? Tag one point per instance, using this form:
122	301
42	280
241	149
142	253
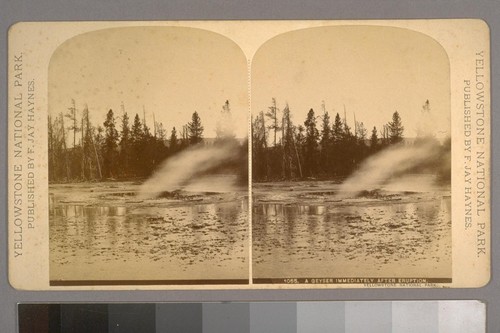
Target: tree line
318	148
120	148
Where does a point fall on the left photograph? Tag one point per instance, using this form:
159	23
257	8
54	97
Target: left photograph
148	158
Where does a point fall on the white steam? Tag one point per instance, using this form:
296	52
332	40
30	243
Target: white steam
187	168
388	165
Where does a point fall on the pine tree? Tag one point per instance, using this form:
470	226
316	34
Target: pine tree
325	130
195	129
337	129
311	144
137	134
288	145
110	145
136	140
174	144
325	142
396	128
125	130
125	145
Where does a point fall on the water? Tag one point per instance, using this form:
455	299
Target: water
119	238
366	239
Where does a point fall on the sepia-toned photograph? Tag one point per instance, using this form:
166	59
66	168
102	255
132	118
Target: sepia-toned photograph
147	158
249	155
351	156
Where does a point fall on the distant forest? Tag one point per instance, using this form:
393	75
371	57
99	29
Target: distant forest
331	149
119	148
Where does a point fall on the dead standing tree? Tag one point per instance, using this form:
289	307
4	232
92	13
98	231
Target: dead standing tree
272	114
72	116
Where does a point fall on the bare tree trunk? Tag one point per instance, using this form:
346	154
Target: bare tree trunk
298	158
72	110
65	149
97	160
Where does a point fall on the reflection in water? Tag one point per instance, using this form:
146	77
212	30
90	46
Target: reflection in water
375	239
122	242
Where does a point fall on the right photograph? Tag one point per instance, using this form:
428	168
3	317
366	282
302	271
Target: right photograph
351	157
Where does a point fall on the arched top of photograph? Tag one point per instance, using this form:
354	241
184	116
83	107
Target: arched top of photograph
363	73
162	74
122	101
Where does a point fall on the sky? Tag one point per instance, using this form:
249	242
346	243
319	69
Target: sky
370	72
166	71
170	72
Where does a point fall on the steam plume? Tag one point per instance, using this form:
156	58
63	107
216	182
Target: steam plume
189	166
394	162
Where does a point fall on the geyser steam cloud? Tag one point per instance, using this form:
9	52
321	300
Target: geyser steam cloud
393	162
184	168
